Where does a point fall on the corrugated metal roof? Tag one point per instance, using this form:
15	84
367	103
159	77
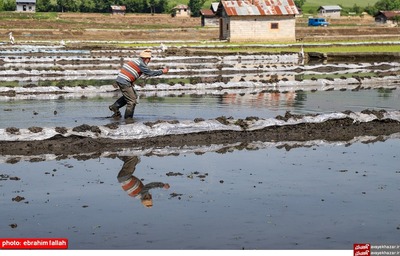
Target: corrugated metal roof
118	7
331	7
389	14
181	6
26	1
207	12
259	7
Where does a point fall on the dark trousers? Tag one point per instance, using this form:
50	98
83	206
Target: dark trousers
128	168
128	98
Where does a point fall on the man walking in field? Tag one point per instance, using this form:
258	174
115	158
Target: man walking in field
128	74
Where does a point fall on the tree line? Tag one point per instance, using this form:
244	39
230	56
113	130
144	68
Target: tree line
157	6
96	6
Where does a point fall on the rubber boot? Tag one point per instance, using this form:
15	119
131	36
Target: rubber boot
114	109
116	106
129	111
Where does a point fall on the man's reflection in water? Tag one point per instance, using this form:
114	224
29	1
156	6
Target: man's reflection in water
134	186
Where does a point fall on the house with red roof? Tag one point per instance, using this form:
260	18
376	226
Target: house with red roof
388	17
257	20
209	17
118	9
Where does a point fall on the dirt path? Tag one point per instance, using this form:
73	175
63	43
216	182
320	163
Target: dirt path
163	27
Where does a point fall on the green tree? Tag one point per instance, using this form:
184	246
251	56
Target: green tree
387	5
356	8
134	5
396	19
299	3
8	5
195	7
43	6
157	6
105	5
88	6
145	7
68	5
162	6
371	10
152	4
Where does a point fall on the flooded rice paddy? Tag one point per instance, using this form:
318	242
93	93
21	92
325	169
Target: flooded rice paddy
308	195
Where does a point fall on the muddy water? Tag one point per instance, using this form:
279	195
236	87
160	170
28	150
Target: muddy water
323	196
60	111
320	197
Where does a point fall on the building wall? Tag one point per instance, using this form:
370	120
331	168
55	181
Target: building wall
210	22
26	8
118	12
224	28
182	13
258	28
329	14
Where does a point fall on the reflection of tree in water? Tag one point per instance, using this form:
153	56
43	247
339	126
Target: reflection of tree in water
384	92
300	98
133	185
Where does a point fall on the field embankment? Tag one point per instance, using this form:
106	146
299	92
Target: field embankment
163	27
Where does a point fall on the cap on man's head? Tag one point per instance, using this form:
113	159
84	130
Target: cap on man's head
146	53
147	200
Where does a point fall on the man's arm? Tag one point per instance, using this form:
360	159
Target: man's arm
143	67
152	185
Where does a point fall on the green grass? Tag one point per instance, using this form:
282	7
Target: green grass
249	47
206	5
45	15
30	16
343	3
359	48
311	6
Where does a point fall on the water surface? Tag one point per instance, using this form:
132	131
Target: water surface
321	197
70	112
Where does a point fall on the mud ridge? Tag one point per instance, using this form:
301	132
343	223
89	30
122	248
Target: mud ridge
332	130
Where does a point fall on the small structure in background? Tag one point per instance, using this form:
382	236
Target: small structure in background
209	17
26	5
118	9
257	21
181	10
388	17
12	40
330	11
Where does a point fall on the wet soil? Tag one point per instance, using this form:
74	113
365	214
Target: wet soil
332	130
